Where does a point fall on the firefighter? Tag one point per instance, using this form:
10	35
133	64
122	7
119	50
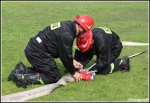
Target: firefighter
55	41
105	44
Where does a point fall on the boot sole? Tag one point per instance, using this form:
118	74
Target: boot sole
10	77
126	58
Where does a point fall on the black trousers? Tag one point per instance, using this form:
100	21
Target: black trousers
44	63
114	54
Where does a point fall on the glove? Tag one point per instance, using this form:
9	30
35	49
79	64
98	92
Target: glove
87	76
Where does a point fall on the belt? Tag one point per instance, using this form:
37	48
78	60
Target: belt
41	44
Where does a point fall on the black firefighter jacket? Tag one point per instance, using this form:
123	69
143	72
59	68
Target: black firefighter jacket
106	47
58	39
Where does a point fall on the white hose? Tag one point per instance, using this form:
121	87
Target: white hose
37	92
134	44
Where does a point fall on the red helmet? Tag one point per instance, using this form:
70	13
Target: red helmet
85	21
84	41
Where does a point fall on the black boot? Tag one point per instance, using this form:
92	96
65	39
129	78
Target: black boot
22	80
20	68
125	66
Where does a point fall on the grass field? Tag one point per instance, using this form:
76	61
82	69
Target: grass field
22	20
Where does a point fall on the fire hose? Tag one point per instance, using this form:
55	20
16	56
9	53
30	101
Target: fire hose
37	92
47	89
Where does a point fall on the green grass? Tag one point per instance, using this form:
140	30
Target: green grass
22	20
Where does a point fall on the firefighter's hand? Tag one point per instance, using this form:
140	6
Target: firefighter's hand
77	77
77	64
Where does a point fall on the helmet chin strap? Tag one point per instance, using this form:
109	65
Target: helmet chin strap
78	35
